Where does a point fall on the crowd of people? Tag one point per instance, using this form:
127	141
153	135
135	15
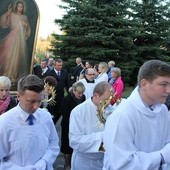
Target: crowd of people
99	130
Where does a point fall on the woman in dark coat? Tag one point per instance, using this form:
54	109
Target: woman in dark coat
7	101
69	102
51	82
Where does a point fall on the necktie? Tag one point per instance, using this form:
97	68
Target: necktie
42	72
58	73
30	119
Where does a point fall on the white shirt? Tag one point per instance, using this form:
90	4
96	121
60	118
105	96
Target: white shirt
57	72
89	87
85	136
21	145
102	77
134	135
44	70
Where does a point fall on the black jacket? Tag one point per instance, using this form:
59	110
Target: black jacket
63	84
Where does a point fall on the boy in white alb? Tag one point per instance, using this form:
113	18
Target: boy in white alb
137	134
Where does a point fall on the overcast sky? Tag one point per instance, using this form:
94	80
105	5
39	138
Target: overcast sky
49	11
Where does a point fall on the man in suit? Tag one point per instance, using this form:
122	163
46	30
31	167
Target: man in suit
76	71
61	76
42	71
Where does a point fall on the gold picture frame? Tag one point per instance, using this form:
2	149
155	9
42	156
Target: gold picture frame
19	23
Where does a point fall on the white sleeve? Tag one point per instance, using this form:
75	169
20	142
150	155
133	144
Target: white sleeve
79	139
4	143
120	151
53	149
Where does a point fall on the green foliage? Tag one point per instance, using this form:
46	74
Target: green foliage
153	40
127	91
126	31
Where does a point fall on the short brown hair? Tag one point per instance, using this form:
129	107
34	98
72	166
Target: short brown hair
101	88
30	82
151	69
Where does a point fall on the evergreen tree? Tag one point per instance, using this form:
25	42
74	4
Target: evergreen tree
125	31
154	36
98	30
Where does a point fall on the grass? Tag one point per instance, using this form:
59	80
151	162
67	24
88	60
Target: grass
127	91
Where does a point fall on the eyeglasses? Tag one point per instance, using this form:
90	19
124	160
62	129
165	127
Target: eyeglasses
90	74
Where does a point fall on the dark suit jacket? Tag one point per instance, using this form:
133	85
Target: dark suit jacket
77	71
63	83
45	74
37	70
68	103
12	103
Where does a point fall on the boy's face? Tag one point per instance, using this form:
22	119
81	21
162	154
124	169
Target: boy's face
155	92
30	101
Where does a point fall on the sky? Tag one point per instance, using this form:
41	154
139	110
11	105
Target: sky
49	11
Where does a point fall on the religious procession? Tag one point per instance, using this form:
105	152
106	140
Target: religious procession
95	96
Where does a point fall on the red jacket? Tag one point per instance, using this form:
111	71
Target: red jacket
118	89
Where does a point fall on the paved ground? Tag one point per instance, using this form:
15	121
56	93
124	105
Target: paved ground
59	163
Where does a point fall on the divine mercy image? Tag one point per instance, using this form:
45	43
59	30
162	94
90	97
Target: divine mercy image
15	31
